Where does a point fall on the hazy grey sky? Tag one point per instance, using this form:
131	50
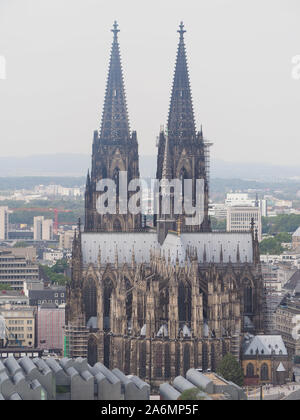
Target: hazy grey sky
239	54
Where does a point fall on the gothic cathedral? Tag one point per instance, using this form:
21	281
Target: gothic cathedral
157	301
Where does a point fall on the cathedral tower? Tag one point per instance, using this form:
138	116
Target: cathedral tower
115	150
186	146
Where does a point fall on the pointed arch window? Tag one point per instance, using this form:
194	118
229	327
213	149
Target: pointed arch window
264	372
250	370
128	300
248	298
204	357
90	298
182	176
184	303
107	292
116	180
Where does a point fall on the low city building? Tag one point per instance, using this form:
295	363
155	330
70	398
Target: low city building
54	295
287	320
50	320
13	297
265	360
20	325
51	256
296	240
211	387
218	210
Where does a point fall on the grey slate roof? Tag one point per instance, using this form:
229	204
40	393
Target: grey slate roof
297	232
293	281
123	242
141	244
267	345
212	243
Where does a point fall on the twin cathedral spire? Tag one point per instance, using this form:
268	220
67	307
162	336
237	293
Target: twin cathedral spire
181	123
115	148
115	123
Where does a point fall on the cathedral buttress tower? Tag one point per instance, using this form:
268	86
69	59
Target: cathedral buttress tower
115	149
186	147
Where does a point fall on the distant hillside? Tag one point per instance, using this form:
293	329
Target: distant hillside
45	165
77	165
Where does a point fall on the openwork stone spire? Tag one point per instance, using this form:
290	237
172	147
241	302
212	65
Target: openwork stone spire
167	166
181	123
115	125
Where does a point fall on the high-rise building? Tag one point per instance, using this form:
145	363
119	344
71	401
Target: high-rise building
42	229
66	239
4	223
38	228
47	230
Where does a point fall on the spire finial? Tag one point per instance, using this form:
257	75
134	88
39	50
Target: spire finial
181	30
115	30
179	226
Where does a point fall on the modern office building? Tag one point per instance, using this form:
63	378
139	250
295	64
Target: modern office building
16	269
239	219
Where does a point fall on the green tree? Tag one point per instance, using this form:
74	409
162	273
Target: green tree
230	370
191	394
281	223
60	266
271	246
48	273
283	237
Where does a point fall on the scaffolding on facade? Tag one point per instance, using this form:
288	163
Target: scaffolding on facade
235	346
76	341
207	146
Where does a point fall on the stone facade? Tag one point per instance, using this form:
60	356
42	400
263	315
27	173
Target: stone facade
160	301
